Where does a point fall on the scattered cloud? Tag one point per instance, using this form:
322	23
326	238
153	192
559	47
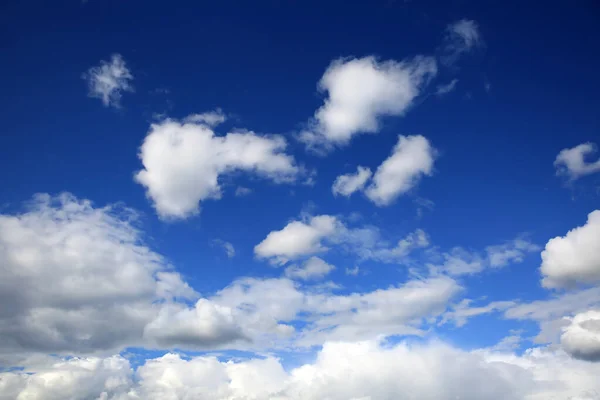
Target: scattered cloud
296	239
360	91
109	80
347	184
353	271
509	252
241	191
574	258
211	118
462	37
411	158
182	163
581	339
312	269
446	88
228	247
572	162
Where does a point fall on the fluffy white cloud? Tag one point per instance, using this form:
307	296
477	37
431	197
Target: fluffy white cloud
581	338
76	279
313	268
411	158
572	162
347	184
461	37
207	325
109	80
574	258
296	239
371	370
183	162
360	92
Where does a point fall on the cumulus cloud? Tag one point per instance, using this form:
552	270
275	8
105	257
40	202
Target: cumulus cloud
78	279
109	80
313	268
371	369
581	338
572	162
574	258
347	184
411	158
360	92
461	37
184	161
296	239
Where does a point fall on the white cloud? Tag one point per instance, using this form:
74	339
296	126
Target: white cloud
183	163
509	252
109	80
313	268
360	92
347	184
296	239
581	338
411	158
206	325
362	370
574	258
463	311
242	191
461	37
441	90
228	247
353	271
572	162
211	118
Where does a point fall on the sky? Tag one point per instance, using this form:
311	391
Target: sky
299	200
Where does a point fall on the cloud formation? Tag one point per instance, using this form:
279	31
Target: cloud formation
461	37
109	80
574	258
182	163
312	269
572	162
360	91
581	338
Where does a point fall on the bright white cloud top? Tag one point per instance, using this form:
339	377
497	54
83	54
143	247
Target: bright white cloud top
362	91
184	161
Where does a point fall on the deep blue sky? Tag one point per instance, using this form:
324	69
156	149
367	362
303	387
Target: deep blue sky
260	62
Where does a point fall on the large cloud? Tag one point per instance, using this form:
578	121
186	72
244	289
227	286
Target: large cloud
360	92
78	279
184	161
574	258
581	338
361	370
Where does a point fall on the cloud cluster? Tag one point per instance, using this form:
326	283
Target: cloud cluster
411	158
371	370
581	338
109	80
182	162
360	91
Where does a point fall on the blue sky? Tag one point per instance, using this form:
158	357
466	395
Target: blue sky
299	180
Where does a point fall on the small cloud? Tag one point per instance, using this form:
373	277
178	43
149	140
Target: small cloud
109	80
242	191
447	88
228	247
572	162
211	118
461	37
352	271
